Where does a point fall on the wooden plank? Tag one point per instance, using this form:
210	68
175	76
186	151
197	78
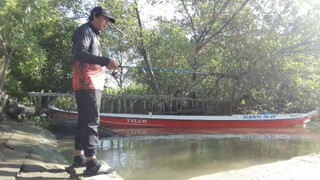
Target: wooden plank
119	105
125	106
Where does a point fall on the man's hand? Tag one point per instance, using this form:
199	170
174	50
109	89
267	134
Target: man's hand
112	65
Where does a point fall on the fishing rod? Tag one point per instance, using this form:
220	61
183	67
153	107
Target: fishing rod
117	29
178	71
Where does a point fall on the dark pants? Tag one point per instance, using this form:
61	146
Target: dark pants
88	105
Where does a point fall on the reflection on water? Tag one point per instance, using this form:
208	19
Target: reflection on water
179	155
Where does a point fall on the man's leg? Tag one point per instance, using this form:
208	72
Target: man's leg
90	137
81	100
89	120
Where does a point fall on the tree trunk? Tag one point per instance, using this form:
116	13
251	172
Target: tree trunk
143	52
6	57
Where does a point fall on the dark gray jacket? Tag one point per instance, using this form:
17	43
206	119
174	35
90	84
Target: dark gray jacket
86	45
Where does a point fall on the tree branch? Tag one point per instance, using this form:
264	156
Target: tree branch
190	18
205	41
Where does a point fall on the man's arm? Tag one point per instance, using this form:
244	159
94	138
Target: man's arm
81	43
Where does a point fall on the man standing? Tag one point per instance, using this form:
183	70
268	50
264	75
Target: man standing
89	68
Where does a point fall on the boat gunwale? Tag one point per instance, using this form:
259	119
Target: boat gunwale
237	117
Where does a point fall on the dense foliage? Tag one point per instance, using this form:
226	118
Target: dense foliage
39	38
253	52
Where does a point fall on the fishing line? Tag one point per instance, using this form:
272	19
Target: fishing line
314	123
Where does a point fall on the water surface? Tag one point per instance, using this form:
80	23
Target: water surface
157	154
178	154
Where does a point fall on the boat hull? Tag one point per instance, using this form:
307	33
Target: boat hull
167	121
112	122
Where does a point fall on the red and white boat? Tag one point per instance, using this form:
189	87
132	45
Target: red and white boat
112	120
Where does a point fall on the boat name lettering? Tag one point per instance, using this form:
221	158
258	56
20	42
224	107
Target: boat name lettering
137	121
264	116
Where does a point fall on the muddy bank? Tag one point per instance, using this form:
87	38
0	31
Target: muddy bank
30	152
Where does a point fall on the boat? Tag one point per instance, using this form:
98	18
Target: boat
113	120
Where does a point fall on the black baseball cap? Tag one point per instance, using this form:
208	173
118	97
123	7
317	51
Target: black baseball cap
102	11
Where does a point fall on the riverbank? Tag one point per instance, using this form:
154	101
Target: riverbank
30	152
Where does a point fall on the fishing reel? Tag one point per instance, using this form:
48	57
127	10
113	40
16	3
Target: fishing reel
116	74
